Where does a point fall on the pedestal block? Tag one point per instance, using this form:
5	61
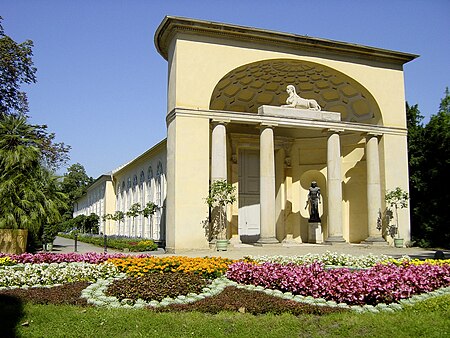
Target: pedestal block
315	234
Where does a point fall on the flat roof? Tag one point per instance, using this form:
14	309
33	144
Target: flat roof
174	24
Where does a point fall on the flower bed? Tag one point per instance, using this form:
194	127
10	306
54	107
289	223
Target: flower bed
384	283
7	261
48	257
406	259
46	274
328	258
97	294
134	244
156	286
208	267
138	281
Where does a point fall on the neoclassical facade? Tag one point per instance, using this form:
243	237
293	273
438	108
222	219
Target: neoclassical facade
141	180
226	86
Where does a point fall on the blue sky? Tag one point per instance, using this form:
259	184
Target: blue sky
102	86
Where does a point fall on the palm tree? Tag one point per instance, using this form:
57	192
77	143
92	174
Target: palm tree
19	147
29	193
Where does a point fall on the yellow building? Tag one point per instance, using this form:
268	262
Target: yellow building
226	86
141	180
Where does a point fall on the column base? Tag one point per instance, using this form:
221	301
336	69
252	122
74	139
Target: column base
375	240
267	240
332	240
235	240
290	241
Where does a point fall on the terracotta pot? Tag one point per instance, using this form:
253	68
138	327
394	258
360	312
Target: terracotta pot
13	241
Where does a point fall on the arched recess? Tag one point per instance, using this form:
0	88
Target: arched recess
246	88
305	182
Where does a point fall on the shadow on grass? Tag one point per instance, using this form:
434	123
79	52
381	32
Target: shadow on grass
11	312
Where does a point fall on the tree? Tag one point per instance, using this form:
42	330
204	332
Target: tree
107	218
436	166
429	164
29	193
221	193
91	224
119	216
415	160
148	211
16	68
397	199
134	211
76	182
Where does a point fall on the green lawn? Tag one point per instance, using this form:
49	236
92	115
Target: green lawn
430	318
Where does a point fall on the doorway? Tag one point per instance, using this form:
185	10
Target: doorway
249	207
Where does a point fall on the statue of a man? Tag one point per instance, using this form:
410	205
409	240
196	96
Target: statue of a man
295	101
313	201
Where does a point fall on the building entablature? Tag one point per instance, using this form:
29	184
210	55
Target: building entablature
285	121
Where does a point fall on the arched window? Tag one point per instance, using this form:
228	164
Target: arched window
142	188
149	173
159	181
149	184
124	196
135	190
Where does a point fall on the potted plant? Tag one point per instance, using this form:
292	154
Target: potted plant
396	199
220	195
48	236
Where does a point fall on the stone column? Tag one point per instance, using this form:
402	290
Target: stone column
373	190
334	189
219	152
267	186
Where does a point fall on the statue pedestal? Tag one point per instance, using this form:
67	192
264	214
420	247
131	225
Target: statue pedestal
299	113
315	234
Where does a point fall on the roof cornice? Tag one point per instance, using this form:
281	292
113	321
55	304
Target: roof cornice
172	25
156	148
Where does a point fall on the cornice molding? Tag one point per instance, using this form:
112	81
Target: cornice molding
172	25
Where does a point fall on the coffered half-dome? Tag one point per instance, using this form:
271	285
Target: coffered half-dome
246	88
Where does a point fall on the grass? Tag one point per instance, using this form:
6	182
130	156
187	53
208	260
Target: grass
425	319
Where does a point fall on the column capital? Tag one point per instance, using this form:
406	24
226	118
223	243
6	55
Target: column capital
264	125
220	121
371	134
334	130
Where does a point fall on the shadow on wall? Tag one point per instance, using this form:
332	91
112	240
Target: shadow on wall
354	193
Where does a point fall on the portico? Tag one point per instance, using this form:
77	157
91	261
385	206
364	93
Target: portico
226	86
272	126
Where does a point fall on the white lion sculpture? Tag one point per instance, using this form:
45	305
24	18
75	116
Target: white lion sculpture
295	101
